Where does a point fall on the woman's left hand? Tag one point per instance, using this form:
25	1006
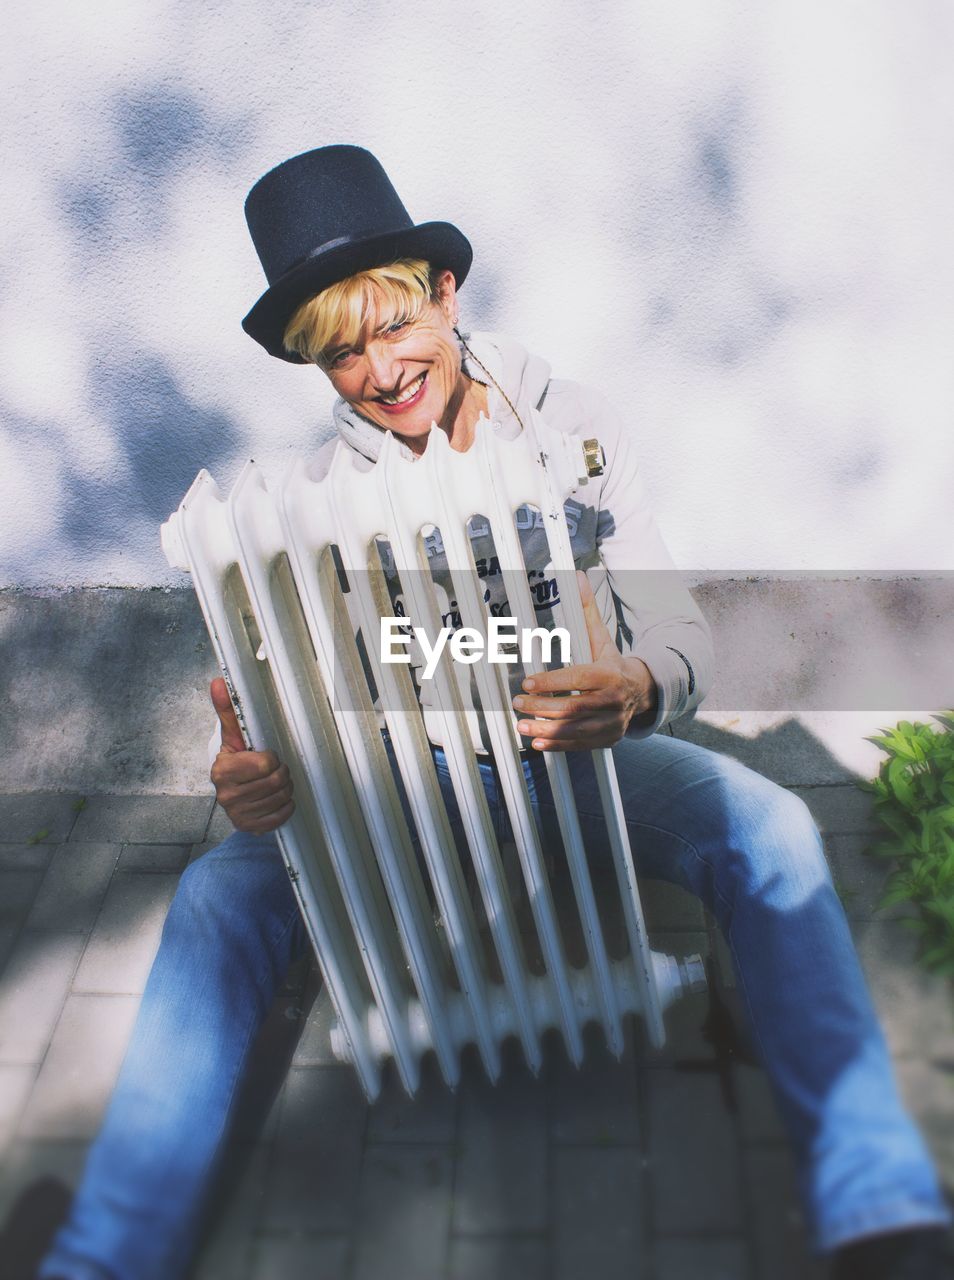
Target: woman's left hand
613	691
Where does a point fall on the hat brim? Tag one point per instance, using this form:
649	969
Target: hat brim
439	243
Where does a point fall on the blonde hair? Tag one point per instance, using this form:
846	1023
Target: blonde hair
394	294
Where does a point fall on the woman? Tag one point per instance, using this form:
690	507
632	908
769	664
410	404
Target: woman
359	290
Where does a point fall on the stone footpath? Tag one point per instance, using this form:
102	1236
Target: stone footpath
666	1166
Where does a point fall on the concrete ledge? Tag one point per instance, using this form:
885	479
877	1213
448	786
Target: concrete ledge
105	690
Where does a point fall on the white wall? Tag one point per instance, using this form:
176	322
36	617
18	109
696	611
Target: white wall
735	218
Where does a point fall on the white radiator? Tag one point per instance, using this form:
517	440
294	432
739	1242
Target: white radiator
404	960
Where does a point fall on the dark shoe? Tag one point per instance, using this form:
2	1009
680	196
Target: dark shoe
29	1230
922	1254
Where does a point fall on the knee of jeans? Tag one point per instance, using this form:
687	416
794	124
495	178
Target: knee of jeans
198	893
775	851
218	882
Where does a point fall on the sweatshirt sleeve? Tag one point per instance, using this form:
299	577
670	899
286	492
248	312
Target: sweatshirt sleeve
641	591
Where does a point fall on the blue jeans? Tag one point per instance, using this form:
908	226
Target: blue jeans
746	847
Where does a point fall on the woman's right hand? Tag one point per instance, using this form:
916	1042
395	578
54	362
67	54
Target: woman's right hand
253	787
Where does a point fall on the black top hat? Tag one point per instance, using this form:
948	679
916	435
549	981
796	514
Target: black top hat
326	215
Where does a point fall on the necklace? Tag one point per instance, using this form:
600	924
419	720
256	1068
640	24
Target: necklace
480	364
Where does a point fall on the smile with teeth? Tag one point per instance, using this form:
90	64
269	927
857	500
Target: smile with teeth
407	394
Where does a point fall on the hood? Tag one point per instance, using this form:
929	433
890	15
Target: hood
523	377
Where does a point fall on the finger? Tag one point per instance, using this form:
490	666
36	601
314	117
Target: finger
260	826
247	767
585	735
261	808
260	791
596	628
232	739
584	704
585	676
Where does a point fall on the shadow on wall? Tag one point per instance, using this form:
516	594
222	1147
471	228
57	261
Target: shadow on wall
158	433
705	291
158	132
164	437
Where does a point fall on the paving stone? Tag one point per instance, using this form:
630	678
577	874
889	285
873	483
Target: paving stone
404	1210
759	1119
499	1258
80	1068
73	887
313	1188
810	749
928	1089
15	1085
777	1226
430	1116
704	1259
839	809
597	1105
25	815
914	1006
314	1044
860	879
694	1160
144	819
8	936
313	1181
666	906
17	891
260	1098
685	1021
27	857
33	989
228	1246
154	857
598	1214
322	1105
27	1162
317	1257
500	1183
125	939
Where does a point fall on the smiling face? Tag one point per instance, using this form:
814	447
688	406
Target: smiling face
385	337
403	374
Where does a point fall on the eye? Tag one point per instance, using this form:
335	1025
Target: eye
341	359
397	326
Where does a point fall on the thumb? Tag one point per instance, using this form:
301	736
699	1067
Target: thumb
595	626
232	739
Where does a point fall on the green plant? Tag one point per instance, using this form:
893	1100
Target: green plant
914	803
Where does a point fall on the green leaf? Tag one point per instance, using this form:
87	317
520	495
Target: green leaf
913	804
935	956
39	836
893	896
914	924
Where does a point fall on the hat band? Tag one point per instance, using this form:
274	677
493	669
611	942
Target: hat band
330	244
337	243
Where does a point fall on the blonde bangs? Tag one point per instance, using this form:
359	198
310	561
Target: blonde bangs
340	314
